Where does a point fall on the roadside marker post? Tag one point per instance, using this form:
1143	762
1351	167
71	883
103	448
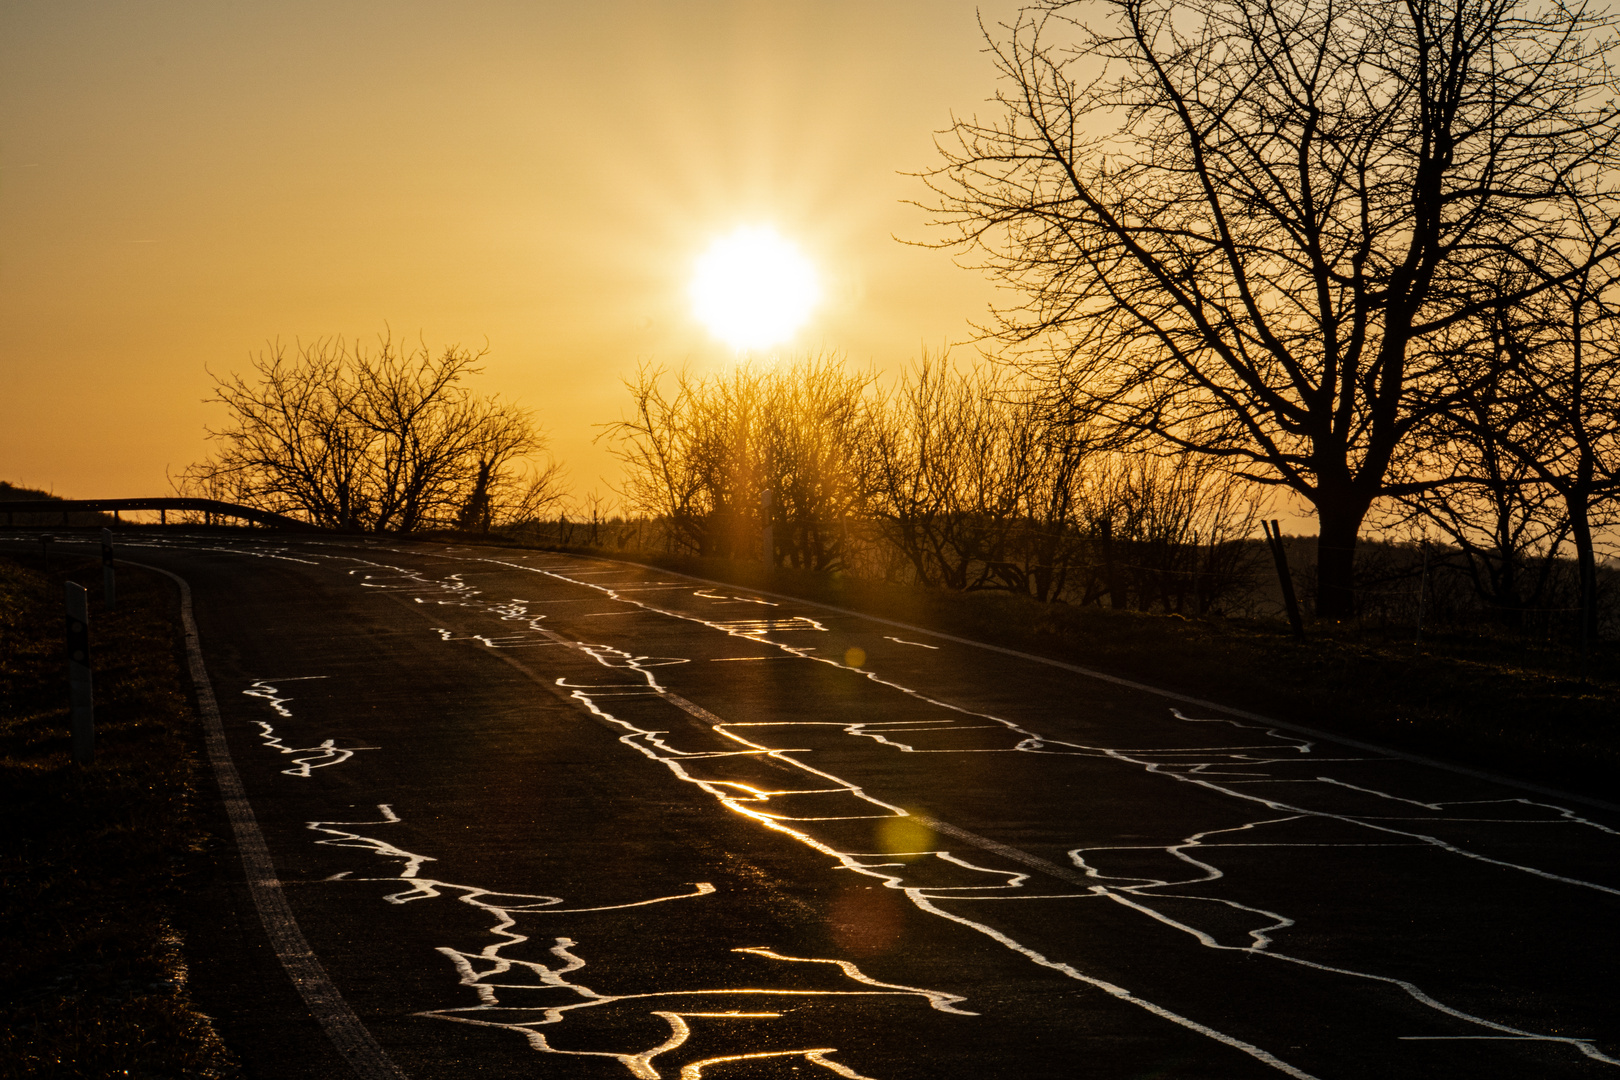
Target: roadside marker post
108	584
79	687
45	549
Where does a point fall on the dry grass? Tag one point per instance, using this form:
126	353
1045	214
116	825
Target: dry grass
94	860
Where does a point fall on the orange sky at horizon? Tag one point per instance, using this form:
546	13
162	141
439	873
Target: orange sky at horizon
181	183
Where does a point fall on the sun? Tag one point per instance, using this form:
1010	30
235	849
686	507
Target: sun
753	289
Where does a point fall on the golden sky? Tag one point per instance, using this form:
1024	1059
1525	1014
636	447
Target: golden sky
182	181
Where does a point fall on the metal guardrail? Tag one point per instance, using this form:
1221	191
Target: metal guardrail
211	508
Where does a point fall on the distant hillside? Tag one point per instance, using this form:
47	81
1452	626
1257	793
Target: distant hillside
13	493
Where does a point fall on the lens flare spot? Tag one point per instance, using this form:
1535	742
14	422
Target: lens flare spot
854	656
904	836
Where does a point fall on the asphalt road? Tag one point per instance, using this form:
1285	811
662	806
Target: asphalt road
544	816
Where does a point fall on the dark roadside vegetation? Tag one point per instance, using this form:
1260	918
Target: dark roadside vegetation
97	862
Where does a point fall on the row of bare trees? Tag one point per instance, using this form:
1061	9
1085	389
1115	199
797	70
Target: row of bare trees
1531	453
390	440
954	478
1359	251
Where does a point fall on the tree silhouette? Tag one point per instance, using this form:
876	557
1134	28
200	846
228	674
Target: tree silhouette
1294	227
1562	354
385	441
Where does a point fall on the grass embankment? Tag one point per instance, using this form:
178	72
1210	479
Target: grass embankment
76	519
95	860
1471	696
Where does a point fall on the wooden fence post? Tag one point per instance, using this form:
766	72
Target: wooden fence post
1273	533
79	684
108	585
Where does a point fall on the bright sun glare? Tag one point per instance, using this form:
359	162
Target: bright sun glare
753	289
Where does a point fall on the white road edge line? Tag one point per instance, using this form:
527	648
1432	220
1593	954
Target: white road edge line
351	1038
1315	733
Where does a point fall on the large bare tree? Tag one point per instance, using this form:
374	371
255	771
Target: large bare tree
1267	230
390	440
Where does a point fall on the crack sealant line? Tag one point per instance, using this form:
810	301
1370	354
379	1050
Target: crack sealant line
1092	673
693	709
1025	858
348	1034
920	897
924	899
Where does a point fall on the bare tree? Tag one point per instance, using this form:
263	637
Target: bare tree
1177	529
385	441
933	455
1562	351
293	444
1295	224
701	457
686	456
1045	467
815	431
507	484
977	486
1505	525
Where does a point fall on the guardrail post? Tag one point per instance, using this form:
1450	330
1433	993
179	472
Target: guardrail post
45	549
108	585
79	685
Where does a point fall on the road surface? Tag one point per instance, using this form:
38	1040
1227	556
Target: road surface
524	814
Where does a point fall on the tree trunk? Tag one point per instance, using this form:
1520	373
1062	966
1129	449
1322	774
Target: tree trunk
1586	562
1338	527
476	509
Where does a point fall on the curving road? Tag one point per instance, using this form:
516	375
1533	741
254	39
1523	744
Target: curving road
522	814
